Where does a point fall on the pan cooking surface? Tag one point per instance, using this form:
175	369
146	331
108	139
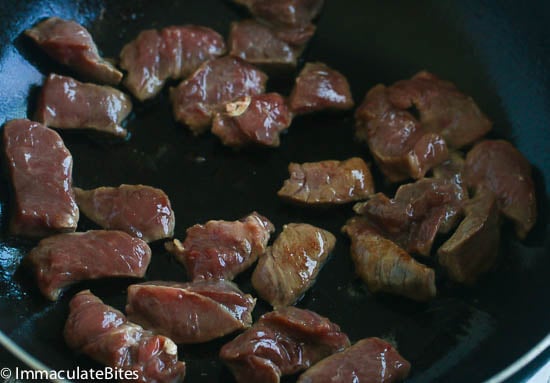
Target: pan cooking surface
464	334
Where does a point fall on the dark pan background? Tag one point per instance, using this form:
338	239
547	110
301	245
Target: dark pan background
497	51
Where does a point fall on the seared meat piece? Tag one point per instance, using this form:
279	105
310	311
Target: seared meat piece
268	47
452	170
253	120
328	182
396	139
473	247
498	166
142	211
284	12
190	312
40	168
282	342
214	84
65	259
370	360
319	87
384	266
65	103
174	52
417	213
71	44
289	268
104	334
222	249
405	146
442	108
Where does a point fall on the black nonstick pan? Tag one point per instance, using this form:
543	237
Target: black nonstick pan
496	51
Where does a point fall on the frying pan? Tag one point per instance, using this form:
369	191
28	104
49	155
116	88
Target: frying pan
496	51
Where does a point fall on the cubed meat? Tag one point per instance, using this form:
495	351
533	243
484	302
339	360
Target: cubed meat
473	247
217	82
271	48
282	342
190	312
104	334
406	145
498	166
40	169
386	267
171	53
318	88
253	120
70	44
64	259
289	268
288	13
65	103
328	182
139	210
370	360
222	249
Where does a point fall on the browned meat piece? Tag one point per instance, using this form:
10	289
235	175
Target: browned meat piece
214	84
370	360
386	267
417	213
268	47
222	249
319	87
442	108
452	170
473	247
142	211
289	268
498	166
328	182
282	342
72	45
255	120
174	52
284	12
104	334
65	103
40	168
396	139
65	259
190	312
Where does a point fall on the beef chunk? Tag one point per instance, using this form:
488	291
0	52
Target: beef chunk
328	182
65	259
71	44
473	248
190	312
452	170
268	47
498	166
370	360
257	120
142	211
222	249
386	267
216	83
282	342
40	169
406	146
417	213
174	52
319	87
287	13
289	268
104	334
65	103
